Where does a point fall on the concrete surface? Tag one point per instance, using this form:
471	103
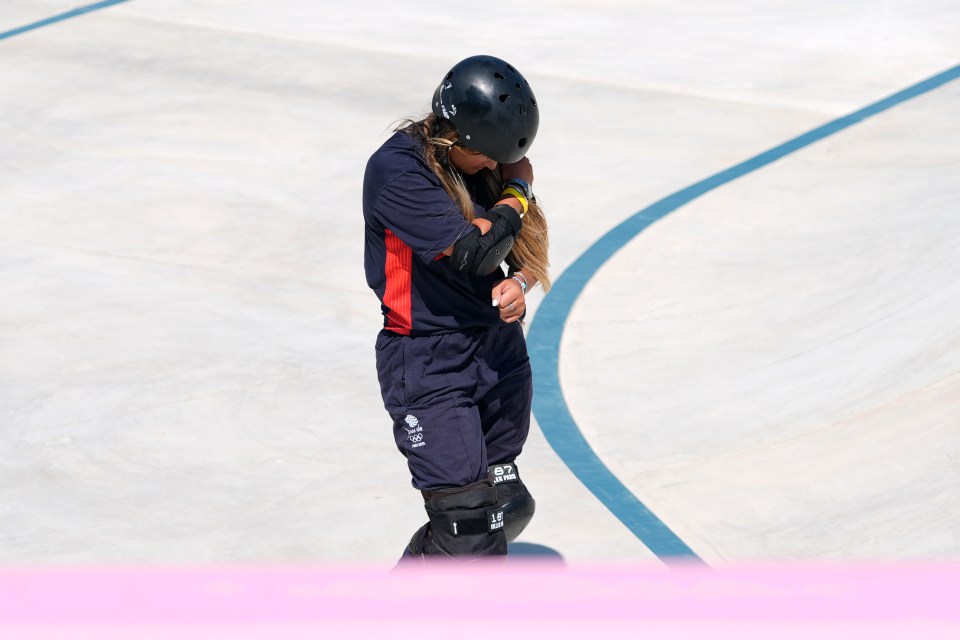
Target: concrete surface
186	339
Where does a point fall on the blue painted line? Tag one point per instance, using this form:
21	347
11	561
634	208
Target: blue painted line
546	330
79	11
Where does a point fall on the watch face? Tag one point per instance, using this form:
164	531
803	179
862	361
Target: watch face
523	186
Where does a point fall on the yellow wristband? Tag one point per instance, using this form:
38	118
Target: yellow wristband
516	193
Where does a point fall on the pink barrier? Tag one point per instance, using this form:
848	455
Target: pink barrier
483	602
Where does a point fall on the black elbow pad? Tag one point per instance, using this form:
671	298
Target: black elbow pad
482	254
465	250
494	256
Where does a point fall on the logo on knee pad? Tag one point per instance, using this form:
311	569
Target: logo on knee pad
414	431
502	473
495	520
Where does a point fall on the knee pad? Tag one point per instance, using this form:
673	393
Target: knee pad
512	497
464	523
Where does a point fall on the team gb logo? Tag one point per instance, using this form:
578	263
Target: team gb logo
414	430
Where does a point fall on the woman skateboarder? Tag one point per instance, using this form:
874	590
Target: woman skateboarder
446	200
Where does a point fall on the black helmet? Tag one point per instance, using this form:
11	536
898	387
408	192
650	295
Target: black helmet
492	107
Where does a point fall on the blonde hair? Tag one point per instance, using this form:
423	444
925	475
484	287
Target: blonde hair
437	135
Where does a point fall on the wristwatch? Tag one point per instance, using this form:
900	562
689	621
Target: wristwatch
521	185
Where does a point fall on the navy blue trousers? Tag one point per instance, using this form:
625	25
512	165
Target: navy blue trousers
459	401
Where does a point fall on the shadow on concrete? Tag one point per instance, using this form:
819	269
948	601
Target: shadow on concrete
531	551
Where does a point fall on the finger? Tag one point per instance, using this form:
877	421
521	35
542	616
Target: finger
499	290
500	294
512	311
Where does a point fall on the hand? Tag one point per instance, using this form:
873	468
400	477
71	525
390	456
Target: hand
508	296
520	169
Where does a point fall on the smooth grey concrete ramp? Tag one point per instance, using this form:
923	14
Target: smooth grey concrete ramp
793	357
186	340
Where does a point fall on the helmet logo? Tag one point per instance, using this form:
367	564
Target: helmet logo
453	107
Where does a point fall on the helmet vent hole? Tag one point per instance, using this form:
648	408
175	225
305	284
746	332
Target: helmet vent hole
523	110
498	75
518	86
504	96
522	143
511	68
533	101
449	75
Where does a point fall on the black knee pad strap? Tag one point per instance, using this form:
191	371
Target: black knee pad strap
465	521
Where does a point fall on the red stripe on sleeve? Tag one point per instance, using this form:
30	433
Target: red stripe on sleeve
396	297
